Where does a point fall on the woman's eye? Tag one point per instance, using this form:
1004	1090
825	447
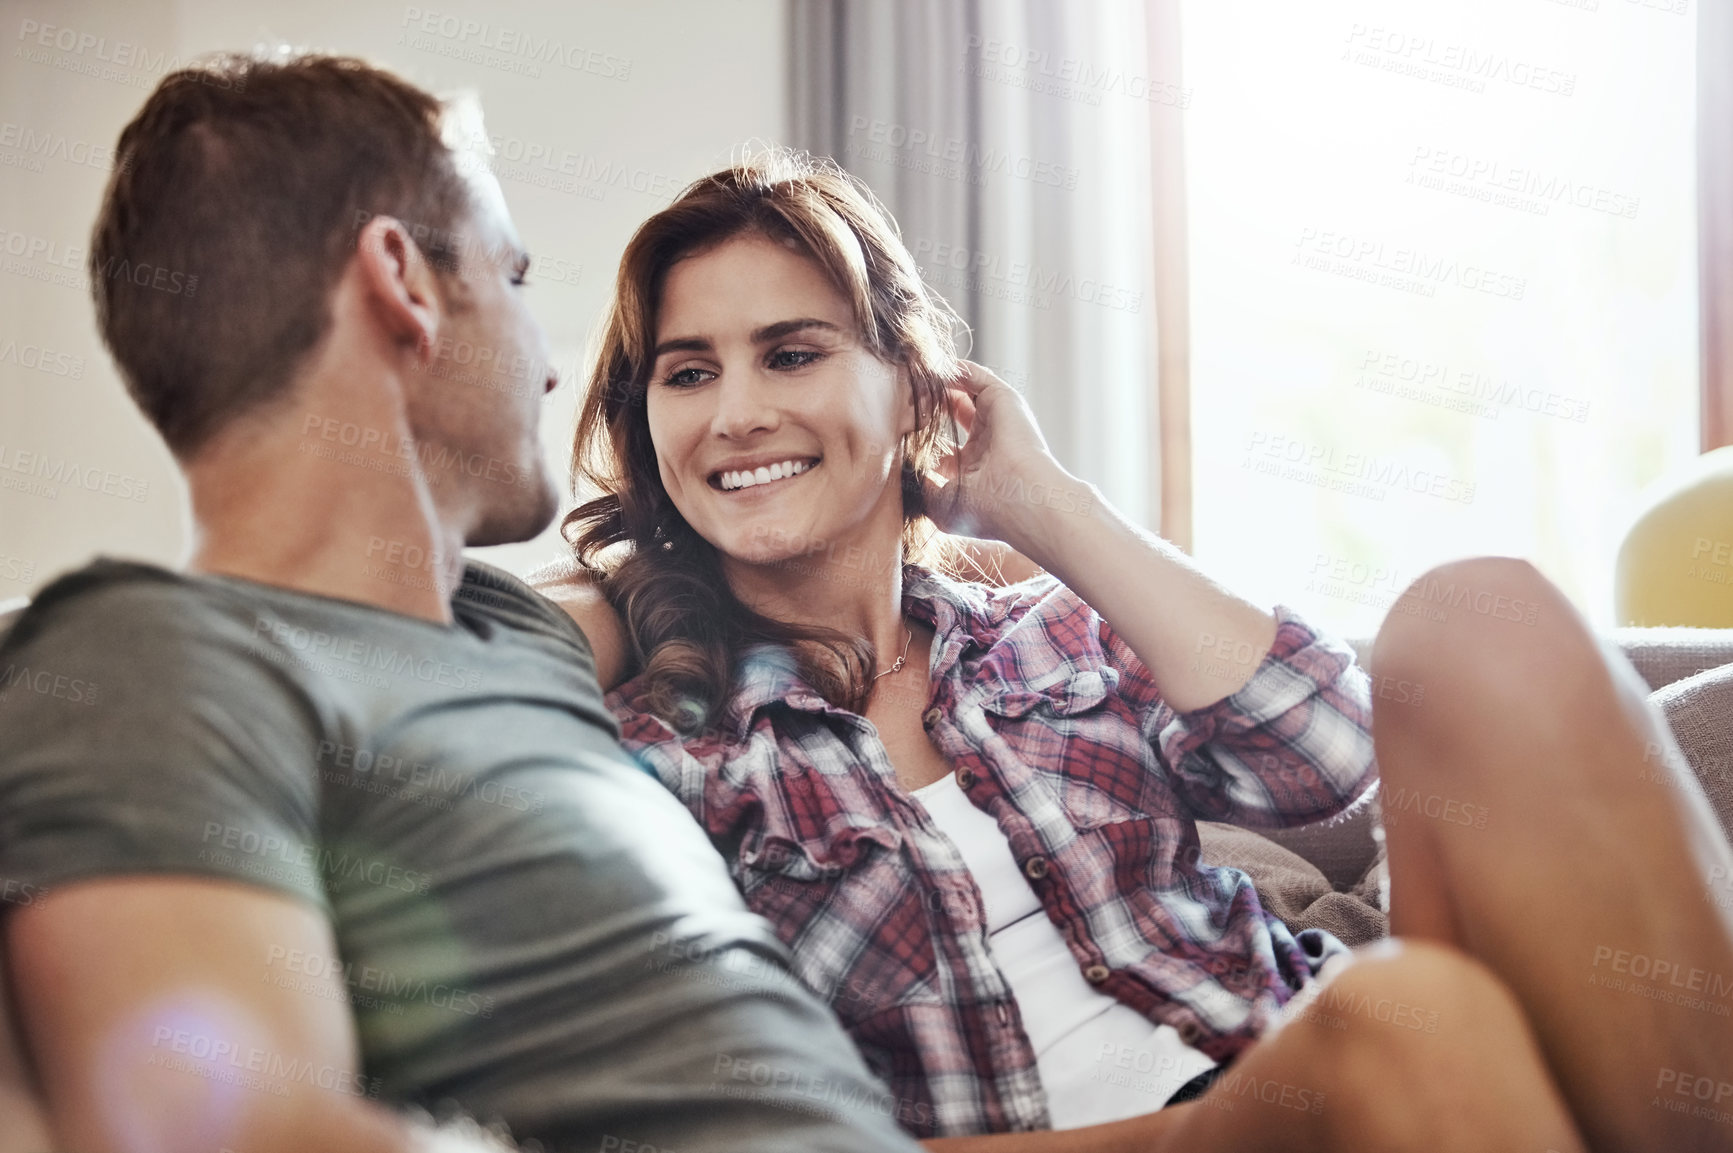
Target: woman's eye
786	358
684	378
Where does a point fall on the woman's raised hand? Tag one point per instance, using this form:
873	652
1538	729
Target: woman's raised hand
1003	482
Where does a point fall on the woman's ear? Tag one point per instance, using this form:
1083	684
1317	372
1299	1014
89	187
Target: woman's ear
909	420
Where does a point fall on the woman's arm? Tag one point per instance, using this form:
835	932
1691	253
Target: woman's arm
575	590
1199	641
992	562
1300	738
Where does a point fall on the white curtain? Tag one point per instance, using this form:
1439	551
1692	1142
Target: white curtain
1011	140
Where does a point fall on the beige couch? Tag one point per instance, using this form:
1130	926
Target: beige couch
1332	875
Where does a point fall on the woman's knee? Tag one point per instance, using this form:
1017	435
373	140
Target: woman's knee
1419	989
1463	612
1490	651
1419	1042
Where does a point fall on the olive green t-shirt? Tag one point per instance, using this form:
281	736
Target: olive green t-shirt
527	924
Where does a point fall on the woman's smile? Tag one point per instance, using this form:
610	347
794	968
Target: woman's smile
743	478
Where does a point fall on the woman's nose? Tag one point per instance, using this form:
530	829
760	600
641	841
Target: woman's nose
743	406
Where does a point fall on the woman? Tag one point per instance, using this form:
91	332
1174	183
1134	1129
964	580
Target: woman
982	851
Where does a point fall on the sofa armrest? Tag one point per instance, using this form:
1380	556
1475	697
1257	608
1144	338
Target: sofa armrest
1661	656
1664	656
1699	711
10	611
1342	848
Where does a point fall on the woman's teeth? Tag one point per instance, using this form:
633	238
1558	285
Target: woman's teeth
746	478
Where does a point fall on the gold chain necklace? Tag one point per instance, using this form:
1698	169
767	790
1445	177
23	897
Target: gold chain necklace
898	666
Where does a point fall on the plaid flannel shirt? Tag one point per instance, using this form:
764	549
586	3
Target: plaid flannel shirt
1056	730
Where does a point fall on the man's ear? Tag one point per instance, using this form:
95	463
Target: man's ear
401	285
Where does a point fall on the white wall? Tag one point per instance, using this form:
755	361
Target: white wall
662	92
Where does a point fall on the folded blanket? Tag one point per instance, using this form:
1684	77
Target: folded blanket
1296	890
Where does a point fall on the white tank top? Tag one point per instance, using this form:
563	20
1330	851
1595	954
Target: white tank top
1098	1059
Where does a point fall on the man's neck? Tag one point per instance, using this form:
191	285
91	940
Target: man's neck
292	507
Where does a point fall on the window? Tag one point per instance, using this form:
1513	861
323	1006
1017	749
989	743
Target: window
1443	288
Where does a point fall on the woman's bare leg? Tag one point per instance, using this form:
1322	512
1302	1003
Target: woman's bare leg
1527	827
1412	1047
1352	1068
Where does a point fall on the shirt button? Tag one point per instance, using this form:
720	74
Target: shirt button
931	717
1096	974
965	778
1035	868
1004	1014
1190	1032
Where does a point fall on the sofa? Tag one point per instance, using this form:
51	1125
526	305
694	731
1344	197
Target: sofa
1333	876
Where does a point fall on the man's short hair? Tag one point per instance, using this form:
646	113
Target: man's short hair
237	196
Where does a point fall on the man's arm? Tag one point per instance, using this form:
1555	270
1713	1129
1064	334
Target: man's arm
1142	1134
575	590
160	1015
23	1125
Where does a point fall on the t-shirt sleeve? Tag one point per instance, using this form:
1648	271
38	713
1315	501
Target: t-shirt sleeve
139	735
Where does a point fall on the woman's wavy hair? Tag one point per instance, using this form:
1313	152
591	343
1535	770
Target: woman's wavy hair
687	629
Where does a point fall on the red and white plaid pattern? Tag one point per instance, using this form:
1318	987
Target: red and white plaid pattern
1058	732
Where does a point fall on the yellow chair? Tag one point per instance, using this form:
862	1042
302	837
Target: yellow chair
1675	566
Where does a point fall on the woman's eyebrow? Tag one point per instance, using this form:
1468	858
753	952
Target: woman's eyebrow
682	344
765	335
784	328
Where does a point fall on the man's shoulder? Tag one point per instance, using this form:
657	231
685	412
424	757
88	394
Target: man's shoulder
138	638
112	604
152	597
509	600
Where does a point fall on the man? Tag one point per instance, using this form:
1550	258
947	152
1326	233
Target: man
330	828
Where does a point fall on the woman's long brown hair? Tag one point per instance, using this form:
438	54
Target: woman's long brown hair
688	630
